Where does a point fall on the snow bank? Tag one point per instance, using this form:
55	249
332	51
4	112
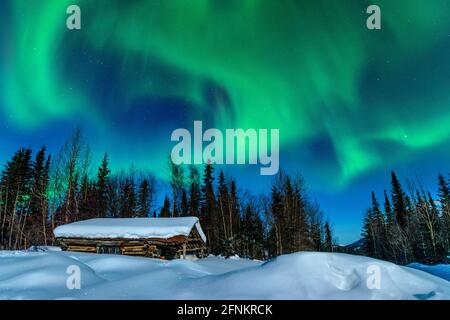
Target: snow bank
439	270
42	275
39	275
130	228
44	248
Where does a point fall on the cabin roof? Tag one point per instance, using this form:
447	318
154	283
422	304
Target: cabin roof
130	228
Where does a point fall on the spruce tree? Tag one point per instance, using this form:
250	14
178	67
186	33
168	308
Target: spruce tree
290	227
128	199
177	185
278	223
374	232
328	243
16	184
165	210
209	210
39	198
234	210
419	242
380	229
38	168
222	206
392	233
368	234
102	187
194	192
444	194
399	202
388	212
315	228
301	228
444	200
144	200
252	234
246	226
184	205
257	236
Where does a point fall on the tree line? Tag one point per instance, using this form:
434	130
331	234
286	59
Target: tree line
244	224
411	226
40	192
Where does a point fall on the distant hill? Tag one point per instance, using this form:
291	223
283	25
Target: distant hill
352	248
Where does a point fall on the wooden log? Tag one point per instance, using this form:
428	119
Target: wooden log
139	250
82	248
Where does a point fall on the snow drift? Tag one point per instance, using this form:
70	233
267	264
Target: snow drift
307	275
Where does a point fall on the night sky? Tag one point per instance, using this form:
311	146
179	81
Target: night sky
351	104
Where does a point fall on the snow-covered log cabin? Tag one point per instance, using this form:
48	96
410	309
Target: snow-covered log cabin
165	238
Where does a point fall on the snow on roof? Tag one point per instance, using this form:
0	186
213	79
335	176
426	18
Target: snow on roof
130	228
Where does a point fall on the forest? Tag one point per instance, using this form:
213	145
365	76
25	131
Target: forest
39	192
412	225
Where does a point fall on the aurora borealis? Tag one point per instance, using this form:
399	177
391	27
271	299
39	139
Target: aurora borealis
351	103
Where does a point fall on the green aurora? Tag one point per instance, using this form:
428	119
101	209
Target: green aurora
370	99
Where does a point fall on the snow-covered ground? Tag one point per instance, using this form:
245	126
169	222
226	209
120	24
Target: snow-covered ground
308	275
